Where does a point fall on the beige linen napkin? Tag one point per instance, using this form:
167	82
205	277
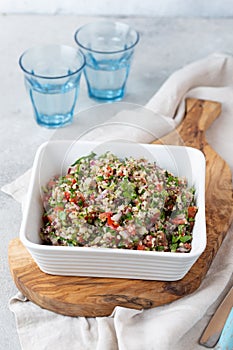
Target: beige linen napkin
177	325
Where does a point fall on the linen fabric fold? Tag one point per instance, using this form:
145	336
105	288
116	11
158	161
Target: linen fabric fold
176	325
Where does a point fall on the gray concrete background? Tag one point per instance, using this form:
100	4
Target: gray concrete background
165	45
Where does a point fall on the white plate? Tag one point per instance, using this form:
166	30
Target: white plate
54	158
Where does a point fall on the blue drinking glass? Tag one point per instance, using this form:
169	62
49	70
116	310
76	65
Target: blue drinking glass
52	78
108	48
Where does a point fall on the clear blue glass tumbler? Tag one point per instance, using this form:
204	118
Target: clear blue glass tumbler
52	78
108	48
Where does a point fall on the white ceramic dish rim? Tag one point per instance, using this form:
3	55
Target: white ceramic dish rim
99	251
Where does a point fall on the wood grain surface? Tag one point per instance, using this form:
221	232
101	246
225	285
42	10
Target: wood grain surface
91	297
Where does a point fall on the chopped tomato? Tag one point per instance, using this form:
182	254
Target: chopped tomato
78	199
109	171
74	199
108	216
192	212
67	195
104	216
113	224
141	247
120	173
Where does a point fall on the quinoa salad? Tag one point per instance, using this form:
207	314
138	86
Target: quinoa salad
105	201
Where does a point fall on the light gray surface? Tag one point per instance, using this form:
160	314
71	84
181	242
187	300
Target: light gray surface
172	8
165	45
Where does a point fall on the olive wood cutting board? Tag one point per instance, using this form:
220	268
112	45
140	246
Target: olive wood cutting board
91	297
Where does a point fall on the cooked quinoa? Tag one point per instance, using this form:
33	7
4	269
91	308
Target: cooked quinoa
119	203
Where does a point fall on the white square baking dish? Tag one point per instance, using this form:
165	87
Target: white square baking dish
55	157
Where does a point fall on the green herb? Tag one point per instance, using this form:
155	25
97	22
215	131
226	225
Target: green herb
160	248
173	247
184	239
88	157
